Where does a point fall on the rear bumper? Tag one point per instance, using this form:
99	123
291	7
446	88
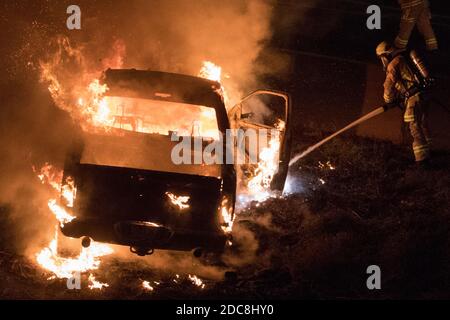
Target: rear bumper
144	234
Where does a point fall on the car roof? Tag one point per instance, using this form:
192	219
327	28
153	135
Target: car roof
162	86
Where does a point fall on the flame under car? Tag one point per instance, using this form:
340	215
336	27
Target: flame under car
126	188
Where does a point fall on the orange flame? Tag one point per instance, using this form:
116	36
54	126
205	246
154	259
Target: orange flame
179	201
94	284
69	192
226	211
48	174
259	184
146	285
211	71
62	267
60	213
86	102
49	258
196	281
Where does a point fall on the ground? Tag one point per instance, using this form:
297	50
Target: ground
375	207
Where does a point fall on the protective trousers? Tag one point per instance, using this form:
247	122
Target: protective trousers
415	13
416	116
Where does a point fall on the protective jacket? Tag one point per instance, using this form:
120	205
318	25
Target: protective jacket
401	86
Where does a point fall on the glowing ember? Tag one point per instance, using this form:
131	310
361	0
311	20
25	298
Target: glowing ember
179	201
63	267
146	285
196	281
94	284
326	165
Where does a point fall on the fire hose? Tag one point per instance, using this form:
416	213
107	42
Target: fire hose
364	118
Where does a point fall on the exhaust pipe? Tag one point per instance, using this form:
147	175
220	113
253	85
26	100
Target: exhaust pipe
85	242
198	252
141	251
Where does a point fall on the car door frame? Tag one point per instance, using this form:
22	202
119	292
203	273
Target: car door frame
235	114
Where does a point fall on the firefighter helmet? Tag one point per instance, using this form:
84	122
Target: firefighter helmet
385	51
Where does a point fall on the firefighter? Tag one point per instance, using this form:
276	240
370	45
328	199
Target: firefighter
415	13
405	86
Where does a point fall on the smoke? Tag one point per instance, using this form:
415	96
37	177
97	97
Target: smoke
171	35
32	131
178	35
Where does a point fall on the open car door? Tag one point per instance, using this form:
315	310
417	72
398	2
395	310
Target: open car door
270	110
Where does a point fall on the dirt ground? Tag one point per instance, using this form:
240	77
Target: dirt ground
353	203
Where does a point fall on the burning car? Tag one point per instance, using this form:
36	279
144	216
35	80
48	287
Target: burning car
122	185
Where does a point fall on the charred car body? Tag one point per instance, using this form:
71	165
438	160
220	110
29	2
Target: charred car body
129	191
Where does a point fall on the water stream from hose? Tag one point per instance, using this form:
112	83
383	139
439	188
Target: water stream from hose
351	125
